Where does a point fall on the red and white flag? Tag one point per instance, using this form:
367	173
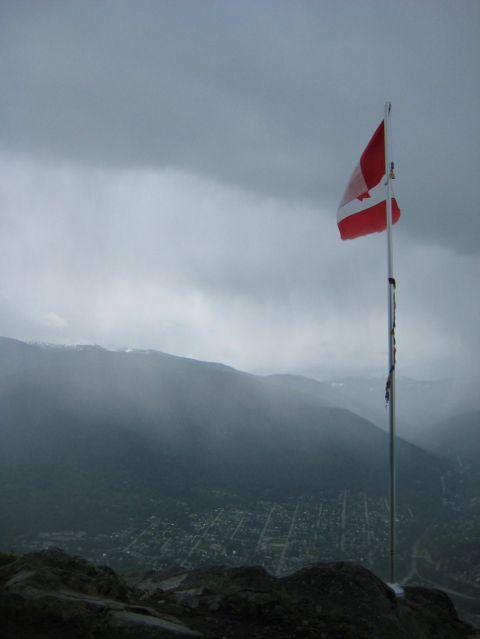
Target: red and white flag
363	209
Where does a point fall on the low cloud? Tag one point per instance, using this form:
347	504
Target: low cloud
167	260
52	320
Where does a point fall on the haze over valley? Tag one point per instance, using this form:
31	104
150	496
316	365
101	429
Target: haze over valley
141	459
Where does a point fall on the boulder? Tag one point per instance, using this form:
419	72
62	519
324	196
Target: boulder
50	595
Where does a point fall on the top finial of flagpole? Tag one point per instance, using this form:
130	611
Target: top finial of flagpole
388	106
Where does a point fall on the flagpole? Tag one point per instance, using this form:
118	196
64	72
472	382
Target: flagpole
389	171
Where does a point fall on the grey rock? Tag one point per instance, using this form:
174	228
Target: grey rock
126	618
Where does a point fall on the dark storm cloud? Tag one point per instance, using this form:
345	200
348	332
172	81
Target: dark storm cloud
278	97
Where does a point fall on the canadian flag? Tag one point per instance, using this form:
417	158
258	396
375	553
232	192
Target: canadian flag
363	209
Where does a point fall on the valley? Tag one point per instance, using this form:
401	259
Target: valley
285	535
281	535
143	461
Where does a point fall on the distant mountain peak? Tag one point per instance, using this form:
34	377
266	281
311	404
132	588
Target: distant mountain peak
65	347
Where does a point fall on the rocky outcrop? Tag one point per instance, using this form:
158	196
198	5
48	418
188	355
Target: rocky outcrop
51	595
333	600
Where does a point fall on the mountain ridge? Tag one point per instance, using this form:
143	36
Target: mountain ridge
80	423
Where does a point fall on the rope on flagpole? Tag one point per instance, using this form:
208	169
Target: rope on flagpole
392	282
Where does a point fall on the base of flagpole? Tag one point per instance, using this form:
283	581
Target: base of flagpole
398	591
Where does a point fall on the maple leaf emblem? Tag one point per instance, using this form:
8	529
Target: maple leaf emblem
364	196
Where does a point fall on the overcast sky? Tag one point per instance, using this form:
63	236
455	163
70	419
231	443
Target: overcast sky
170	173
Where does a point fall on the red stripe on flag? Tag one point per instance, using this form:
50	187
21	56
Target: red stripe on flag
372	220
372	161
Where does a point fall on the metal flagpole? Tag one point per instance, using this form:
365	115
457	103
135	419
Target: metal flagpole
390	391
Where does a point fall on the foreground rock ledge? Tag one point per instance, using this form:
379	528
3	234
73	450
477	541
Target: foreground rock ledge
52	595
